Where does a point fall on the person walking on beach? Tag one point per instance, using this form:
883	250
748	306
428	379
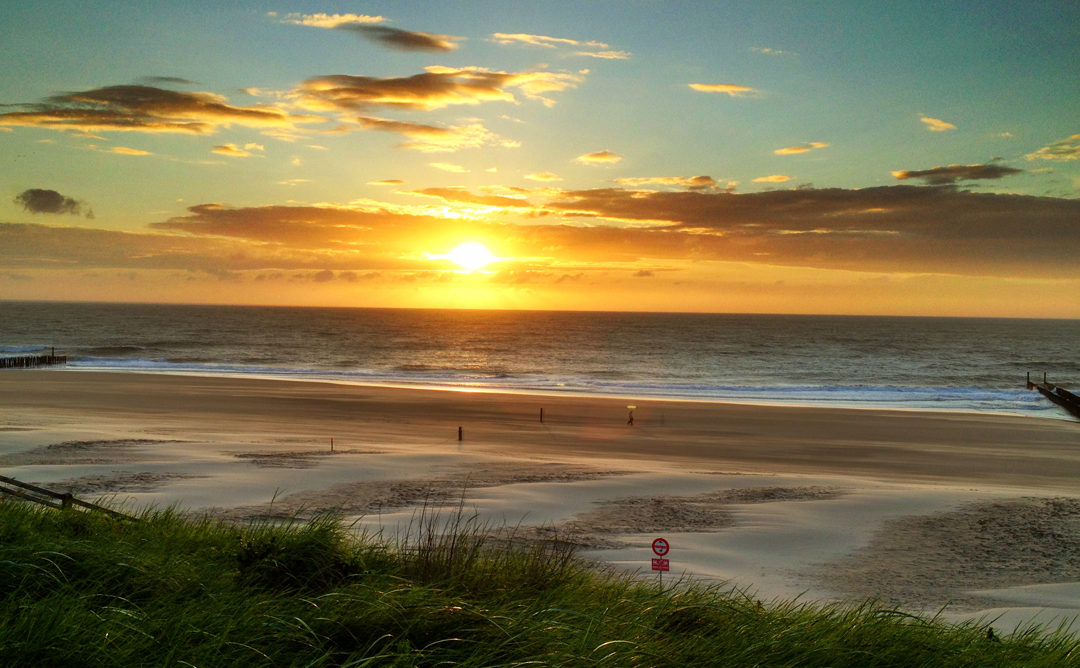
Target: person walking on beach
631	422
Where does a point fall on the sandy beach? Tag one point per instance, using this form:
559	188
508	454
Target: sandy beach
978	512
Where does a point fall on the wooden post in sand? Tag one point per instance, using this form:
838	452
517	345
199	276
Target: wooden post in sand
541	416
459	433
331	445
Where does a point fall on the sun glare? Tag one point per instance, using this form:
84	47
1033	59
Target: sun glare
471	255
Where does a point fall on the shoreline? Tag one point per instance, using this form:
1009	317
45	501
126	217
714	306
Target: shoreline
786	501
883	406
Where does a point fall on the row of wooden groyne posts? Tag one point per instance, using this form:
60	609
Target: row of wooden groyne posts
1058	395
30	361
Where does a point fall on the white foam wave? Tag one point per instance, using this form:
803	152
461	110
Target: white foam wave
993	400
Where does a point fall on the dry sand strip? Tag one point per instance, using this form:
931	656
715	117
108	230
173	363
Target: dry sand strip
88	452
888	445
920	561
372	497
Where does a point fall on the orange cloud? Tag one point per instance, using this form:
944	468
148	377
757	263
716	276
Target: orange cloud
543	176
937	125
534	40
329	20
774	178
124	150
231	150
734	90
606	55
1066	149
386	182
793	150
428	138
692	182
132	108
436	88
463	196
598	158
448	167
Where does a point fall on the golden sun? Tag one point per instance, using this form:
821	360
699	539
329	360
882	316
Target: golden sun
471	255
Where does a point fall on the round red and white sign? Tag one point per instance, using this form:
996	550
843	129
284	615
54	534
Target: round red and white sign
660	547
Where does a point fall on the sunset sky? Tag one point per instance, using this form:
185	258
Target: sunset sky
908	158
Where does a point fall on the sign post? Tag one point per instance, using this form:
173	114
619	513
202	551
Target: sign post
660	548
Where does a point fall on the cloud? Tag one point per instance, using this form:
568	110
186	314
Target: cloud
448	167
428	138
462	196
643	273
1065	149
606	55
252	146
598	158
954	173
554	42
692	182
231	150
436	88
937	125
534	40
124	150
734	90
543	176
39	200
329	20
887	228
173	81
773	178
134	108
403	40
793	150
771	52
386	182
899	228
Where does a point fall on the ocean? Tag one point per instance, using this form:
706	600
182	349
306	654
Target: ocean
855	361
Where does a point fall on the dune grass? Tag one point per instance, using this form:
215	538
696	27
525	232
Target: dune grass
79	589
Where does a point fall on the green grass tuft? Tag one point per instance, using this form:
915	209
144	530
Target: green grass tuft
82	589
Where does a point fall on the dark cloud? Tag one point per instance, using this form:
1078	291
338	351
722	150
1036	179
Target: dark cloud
643	273
889	228
901	228
138	108
436	88
306	227
405	40
39	200
953	173
45	246
165	81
